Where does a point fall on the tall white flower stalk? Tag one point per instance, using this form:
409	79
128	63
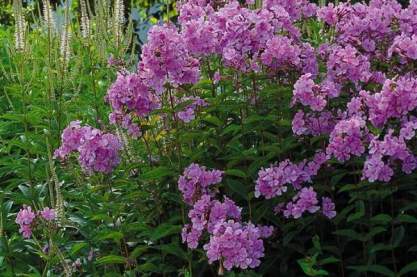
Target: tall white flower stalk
20	25
48	15
65	50
85	21
118	20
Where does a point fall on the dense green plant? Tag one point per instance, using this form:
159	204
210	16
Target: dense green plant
129	222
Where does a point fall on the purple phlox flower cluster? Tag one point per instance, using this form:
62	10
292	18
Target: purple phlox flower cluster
355	106
244	37
407	131
382	155
362	25
347	139
189	11
347	64
281	52
129	93
130	96
329	14
408	18
236	245
166	59
188	114
396	99
244	245
98	151
328	207
71	138
242	34
200	36
284	53
205	214
273	181
198	216
295	8
308	58
312	167
199	3
221	211
313	124
196	181
304	201
270	181
309	94
48	214
26	219
125	120
405	46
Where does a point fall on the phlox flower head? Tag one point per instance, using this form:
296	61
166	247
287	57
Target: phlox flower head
188	114
166	59
98	151
48	214
196	181
25	217
347	139
305	201
236	245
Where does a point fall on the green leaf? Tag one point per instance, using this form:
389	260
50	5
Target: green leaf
148	267
139	250
352	234
380	247
380	269
329	260
373	232
381	218
348	187
405	218
408	268
316	243
360	212
398	236
114	235
173	249
111	259
164	230
156	173
213	120
308	264
238	188
77	247
236	172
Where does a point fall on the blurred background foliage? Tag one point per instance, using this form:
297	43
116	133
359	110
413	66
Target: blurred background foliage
152	10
